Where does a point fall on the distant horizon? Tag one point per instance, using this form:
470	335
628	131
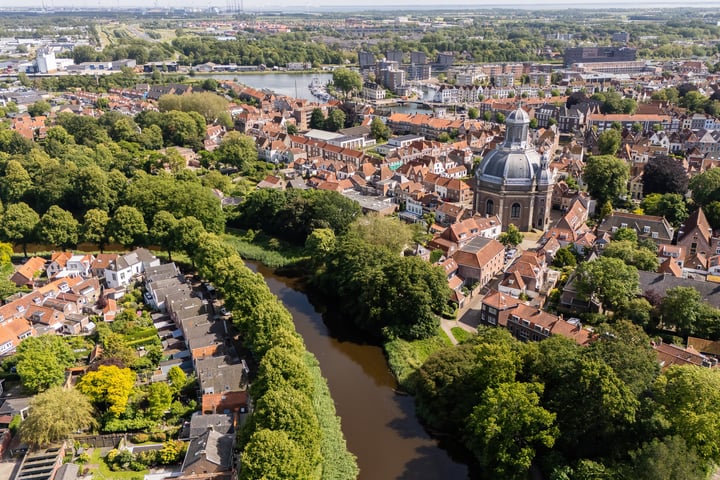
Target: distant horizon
328	6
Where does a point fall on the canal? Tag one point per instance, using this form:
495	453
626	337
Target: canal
380	426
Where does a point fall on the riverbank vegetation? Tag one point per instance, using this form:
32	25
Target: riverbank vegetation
293	428
603	411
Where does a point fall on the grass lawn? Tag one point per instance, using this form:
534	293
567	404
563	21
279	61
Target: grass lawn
271	252
460	334
405	357
100	471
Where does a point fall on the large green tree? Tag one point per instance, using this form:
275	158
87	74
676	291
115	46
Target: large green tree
16	182
42	361
609	142
272	455
689	399
127	226
346	80
95	227
19	224
608	280
606	177
238	150
706	186
55	415
59	227
508	425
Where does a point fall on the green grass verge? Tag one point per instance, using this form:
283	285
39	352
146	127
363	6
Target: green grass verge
405	357
338	462
103	472
271	252
461	334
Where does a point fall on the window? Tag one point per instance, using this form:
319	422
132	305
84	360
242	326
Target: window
693	247
646	229
654	235
489	207
515	210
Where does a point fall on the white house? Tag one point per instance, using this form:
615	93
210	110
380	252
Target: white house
121	272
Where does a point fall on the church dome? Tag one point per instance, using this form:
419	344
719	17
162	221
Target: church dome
513	162
518	116
507	166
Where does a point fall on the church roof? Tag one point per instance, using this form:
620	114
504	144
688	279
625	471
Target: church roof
515	162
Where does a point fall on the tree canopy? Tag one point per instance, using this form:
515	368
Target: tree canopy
55	415
606	177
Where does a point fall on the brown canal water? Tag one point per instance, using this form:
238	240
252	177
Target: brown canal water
380	426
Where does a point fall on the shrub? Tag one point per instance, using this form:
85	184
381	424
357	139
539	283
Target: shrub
140	438
158	436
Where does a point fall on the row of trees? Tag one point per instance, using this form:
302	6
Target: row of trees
576	412
292	432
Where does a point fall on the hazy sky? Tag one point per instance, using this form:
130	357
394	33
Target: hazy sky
295	5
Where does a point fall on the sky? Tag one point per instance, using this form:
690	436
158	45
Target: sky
300	5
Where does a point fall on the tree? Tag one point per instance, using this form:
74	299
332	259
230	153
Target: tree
238	150
668	458
672	206
16	182
187	234
664	174
629	253
272	455
109	387
317	119
609	280
319	244
473	113
115	346
162	231
346	80
266	324
606	177
41	107
19	223
127	226
280	368
564	257
378	130
290	411
159	399
382	231
95	227
689	399
177	378
609	142
706	186
680	309
593	406
511	237
638	311
628	350
508	425
58	227
335	120
42	361
55	415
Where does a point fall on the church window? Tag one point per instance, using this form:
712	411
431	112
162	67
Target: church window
489	207
515	210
